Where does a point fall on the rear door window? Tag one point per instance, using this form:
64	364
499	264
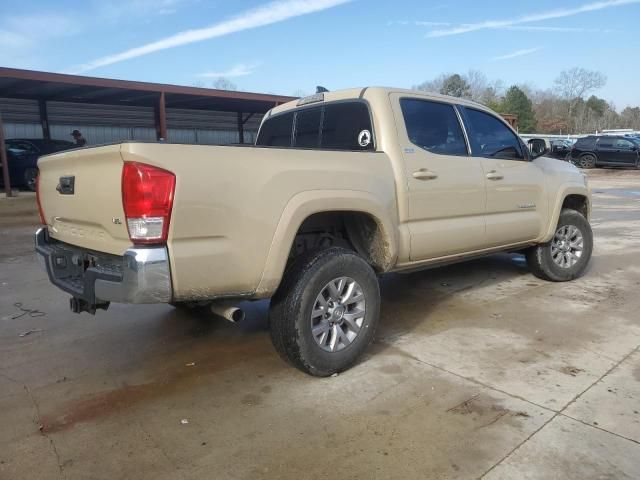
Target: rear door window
433	126
490	137
347	126
276	131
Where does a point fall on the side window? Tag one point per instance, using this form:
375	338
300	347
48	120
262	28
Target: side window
276	131
605	142
347	126
622	144
18	147
491	138
586	143
433	126
307	134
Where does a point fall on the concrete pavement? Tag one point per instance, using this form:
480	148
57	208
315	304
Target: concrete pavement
478	370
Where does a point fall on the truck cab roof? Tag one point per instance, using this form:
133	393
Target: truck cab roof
363	93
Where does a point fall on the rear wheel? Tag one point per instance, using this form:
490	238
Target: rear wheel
566	256
587	161
325	313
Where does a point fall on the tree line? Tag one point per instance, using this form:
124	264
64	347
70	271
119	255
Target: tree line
568	107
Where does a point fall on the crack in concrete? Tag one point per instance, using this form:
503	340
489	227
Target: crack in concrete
36	407
560	413
599	428
470	379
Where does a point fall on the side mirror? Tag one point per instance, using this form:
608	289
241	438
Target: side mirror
538	147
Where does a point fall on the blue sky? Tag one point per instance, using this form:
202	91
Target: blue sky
286	46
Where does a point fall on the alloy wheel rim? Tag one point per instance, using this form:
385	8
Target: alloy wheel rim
567	246
585	161
338	314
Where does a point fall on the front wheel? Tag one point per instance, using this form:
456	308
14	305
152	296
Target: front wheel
325	313
566	256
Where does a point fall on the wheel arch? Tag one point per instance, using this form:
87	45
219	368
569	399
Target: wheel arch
370	230
571	196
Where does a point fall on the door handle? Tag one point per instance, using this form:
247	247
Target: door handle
424	174
493	175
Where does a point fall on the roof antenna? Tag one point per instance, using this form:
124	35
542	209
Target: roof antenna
321	89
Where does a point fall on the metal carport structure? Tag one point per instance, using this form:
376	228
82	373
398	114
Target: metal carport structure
163	103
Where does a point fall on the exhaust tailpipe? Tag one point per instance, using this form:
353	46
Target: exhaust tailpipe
228	312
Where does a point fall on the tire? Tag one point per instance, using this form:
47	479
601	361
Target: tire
587	161
293	324
29	177
552	260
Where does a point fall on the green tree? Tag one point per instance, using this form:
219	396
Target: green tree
597	105
516	102
455	86
630	118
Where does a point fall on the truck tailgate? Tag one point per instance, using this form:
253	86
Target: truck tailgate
80	195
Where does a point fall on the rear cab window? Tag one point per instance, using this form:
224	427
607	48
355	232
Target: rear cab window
340	125
276	131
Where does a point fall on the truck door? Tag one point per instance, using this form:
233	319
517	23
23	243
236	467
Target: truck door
446	192
516	199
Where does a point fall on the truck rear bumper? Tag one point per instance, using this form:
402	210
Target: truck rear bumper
141	275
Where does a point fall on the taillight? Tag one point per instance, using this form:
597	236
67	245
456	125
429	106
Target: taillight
43	219
147	198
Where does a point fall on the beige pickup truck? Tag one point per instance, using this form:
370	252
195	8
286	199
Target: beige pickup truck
340	188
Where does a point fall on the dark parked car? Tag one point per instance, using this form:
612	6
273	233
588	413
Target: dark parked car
23	154
560	149
38	146
607	150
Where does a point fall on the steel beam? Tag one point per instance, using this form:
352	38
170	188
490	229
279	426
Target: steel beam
44	119
161	118
5	161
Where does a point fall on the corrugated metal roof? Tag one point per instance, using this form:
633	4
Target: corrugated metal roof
29	84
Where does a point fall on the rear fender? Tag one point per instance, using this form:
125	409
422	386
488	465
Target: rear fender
303	205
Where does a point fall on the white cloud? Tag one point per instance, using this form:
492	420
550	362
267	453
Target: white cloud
131	10
240	70
23	32
536	17
432	24
517	53
22	36
419	23
267	14
535	28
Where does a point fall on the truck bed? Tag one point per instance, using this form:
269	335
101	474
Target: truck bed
228	204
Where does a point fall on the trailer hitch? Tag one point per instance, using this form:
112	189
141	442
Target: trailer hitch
78	305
